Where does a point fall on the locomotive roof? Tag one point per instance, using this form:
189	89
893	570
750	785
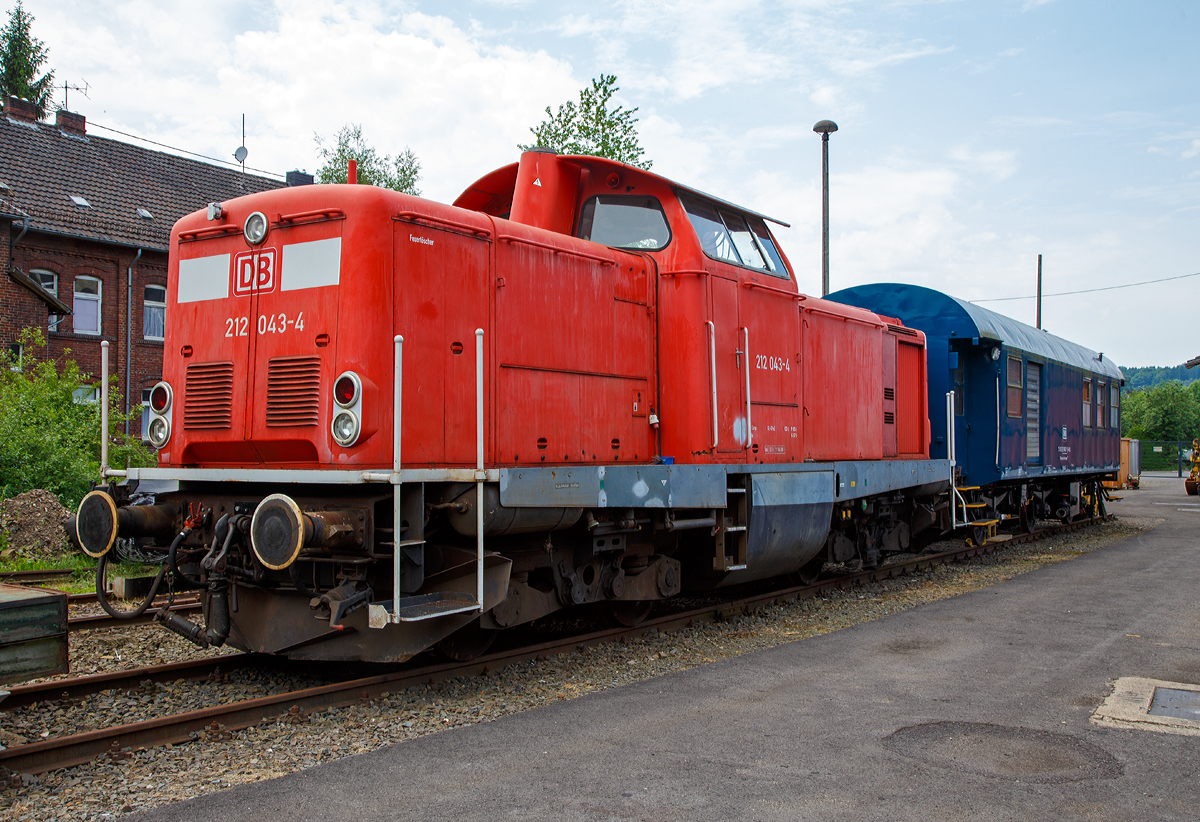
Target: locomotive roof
497	187
941	315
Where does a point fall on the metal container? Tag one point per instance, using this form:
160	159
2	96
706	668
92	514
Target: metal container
33	633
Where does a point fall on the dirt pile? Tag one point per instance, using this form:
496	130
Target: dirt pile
32	525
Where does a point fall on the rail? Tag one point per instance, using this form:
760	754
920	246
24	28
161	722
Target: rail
105	471
510	238
712	362
315	214
749	427
480	474
764	287
418	218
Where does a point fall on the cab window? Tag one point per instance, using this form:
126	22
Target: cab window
714	238
734	238
624	222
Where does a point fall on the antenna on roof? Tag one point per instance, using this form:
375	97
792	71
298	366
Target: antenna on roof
241	154
67	88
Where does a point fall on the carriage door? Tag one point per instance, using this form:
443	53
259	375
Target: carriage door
1033	414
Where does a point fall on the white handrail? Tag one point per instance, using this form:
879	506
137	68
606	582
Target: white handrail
396	429
480	475
950	456
105	471
104	408
712	362
749	427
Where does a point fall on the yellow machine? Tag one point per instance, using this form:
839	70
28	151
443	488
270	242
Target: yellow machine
1190	482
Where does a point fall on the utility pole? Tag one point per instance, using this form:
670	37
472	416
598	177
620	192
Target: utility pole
1039	293
825	128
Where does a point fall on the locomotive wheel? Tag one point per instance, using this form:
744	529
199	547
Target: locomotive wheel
627	614
467	643
811	571
1029	522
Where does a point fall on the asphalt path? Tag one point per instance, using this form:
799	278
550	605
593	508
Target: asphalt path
974	707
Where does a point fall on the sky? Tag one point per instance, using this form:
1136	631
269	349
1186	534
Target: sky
973	134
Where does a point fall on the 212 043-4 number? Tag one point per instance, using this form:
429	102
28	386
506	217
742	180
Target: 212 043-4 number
267	324
765	362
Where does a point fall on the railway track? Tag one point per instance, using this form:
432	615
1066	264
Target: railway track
37	575
119	740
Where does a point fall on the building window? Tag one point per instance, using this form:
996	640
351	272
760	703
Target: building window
86	394
16	357
1087	403
154	312
146	414
87	305
1114	400
48	280
1014	387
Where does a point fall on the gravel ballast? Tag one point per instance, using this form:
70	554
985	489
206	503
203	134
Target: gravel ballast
105	788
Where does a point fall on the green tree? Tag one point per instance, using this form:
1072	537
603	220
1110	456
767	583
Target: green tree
21	57
48	437
1168	411
399	173
591	127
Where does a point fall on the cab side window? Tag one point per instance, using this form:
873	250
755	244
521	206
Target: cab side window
624	222
735	238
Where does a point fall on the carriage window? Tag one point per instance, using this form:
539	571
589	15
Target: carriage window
1087	403
624	222
959	375
1114	400
1101	398
714	239
1014	387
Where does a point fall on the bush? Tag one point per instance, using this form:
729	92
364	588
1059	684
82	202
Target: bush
49	438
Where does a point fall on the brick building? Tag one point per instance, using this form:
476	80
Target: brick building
85	227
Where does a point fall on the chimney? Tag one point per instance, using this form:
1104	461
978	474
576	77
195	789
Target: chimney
71	122
19	109
299	178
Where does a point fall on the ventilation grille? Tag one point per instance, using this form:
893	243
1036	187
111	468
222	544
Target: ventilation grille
293	391
889	393
889	418
899	329
208	395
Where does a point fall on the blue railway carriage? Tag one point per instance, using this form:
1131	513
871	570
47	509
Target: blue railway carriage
1036	417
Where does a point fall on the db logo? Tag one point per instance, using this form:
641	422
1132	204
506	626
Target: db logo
254	271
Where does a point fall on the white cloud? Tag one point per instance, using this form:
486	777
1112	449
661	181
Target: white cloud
408	78
997	165
1192	150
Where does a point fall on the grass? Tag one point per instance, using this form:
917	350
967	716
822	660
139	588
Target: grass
84	578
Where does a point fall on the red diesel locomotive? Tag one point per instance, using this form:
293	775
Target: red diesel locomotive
387	423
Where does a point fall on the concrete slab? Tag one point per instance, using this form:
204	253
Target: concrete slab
973	707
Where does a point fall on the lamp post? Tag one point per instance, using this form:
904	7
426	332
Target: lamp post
825	128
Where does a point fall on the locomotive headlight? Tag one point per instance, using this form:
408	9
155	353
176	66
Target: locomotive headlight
159	432
995	355
345	428
256	228
160	398
347	389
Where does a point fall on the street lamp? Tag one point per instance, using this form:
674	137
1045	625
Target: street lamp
825	128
